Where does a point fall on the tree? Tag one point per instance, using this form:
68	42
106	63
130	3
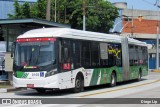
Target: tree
41	9
100	15
18	11
26	10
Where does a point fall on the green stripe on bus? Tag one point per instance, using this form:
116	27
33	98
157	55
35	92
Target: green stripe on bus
19	74
102	75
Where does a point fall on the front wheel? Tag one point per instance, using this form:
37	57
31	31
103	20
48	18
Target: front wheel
113	80
40	90
79	85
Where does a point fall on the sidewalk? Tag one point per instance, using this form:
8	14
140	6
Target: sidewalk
155	70
5	86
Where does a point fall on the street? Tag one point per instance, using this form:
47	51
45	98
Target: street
147	88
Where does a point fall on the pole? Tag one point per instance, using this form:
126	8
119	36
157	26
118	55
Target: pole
115	26
157	39
157	48
55	11
84	15
48	12
132	23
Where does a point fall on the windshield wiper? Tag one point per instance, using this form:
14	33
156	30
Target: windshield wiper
30	57
38	54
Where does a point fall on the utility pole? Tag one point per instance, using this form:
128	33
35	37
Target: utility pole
84	15
157	39
132	27
48	11
55	10
157	48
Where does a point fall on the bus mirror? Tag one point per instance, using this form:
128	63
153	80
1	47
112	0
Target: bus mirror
12	49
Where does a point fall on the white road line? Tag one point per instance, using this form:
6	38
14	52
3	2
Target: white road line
13	105
74	105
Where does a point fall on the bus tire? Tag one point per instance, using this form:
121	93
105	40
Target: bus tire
113	80
40	90
79	84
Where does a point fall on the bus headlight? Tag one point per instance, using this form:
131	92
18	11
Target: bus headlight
50	73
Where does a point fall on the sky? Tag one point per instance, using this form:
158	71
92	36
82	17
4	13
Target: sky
137	4
140	4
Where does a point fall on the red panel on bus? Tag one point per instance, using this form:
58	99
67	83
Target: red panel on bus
66	66
35	39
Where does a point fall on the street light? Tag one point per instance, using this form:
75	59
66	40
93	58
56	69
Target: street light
84	15
120	22
157	39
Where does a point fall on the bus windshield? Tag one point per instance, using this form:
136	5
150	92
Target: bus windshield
35	53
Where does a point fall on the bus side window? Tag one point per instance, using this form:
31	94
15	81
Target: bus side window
132	55
104	54
144	55
75	54
137	55
85	54
140	60
95	54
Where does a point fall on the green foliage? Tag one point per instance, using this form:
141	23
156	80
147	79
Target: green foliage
100	14
41	9
18	12
26	10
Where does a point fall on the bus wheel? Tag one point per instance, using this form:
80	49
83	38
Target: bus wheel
113	80
40	90
79	85
139	76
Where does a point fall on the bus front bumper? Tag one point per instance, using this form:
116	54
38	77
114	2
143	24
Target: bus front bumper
48	82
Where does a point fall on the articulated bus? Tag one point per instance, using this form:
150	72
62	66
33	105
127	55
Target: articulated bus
63	58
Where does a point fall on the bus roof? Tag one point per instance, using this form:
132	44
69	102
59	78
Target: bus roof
76	34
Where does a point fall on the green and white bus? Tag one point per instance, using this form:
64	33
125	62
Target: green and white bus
63	58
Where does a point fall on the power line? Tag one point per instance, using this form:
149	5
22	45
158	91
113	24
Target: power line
157	3
149	2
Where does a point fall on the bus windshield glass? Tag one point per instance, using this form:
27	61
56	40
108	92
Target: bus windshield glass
35	53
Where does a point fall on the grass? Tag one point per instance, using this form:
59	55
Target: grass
5	85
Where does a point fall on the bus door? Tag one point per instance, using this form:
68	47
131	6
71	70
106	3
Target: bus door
66	64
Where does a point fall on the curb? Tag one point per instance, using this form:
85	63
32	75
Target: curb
156	70
4	90
15	89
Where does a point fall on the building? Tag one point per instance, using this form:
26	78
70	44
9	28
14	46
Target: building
139	24
7	7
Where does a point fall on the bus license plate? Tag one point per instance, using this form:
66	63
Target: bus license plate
30	85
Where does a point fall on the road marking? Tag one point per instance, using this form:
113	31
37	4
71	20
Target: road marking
120	89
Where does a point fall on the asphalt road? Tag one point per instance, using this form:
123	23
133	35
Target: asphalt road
122	95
